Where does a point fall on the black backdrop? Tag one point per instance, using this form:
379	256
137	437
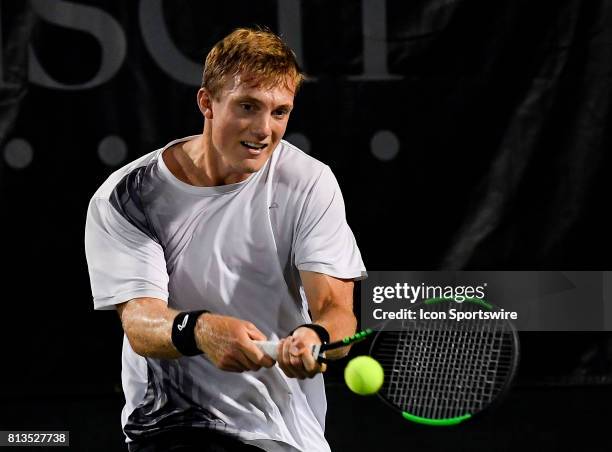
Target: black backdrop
464	134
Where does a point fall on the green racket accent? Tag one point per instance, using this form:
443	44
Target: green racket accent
358	336
436	422
478	301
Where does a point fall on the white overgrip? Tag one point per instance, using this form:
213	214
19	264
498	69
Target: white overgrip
269	348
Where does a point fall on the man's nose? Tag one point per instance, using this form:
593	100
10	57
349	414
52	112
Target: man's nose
261	127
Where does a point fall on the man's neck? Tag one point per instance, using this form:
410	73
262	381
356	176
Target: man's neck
195	162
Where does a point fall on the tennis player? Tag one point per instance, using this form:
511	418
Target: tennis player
216	241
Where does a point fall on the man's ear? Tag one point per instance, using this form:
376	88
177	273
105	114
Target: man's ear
205	103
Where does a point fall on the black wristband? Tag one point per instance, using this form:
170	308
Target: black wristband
183	332
320	330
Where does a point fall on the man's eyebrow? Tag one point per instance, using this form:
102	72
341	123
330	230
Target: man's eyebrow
248	98
285	106
254	100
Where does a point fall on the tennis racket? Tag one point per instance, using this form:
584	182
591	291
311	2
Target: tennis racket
440	372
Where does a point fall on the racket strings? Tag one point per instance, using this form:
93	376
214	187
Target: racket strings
443	369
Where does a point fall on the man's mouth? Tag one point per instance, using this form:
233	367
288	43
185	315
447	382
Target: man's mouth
253	146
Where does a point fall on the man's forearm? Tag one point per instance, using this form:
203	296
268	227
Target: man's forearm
331	304
226	341
147	323
339	322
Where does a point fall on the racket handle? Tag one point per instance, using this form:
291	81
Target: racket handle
268	347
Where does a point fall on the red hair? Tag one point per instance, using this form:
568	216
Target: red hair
260	55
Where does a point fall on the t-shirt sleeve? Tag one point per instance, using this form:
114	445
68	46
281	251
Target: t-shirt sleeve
324	242
123	261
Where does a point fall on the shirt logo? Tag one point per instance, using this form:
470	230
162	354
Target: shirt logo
182	325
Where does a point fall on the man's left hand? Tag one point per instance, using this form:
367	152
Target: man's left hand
295	354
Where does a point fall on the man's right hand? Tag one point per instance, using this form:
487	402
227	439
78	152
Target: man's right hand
228	343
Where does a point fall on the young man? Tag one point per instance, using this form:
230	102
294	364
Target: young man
217	241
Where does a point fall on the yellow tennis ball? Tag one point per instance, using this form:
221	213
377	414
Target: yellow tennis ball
364	375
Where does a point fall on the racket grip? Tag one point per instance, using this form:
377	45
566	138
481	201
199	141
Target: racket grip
268	347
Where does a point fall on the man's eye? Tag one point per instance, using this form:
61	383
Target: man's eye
247	107
280	112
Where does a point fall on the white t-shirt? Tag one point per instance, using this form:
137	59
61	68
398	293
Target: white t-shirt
234	250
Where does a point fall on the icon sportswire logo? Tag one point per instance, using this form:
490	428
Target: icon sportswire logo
183	324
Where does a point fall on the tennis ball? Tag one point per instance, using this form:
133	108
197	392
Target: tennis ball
364	375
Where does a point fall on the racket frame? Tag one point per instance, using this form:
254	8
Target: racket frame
445	422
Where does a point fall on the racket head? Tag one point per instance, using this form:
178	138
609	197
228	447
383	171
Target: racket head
443	372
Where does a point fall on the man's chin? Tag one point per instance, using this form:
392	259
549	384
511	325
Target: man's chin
254	165
250	169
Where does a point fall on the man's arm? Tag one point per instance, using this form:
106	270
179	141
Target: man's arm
226	341
331	304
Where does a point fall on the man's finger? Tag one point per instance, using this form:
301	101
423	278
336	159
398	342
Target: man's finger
284	359
297	350
232	365
246	361
254	333
252	351
309	362
267	361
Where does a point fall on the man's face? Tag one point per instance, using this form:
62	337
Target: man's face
247	123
